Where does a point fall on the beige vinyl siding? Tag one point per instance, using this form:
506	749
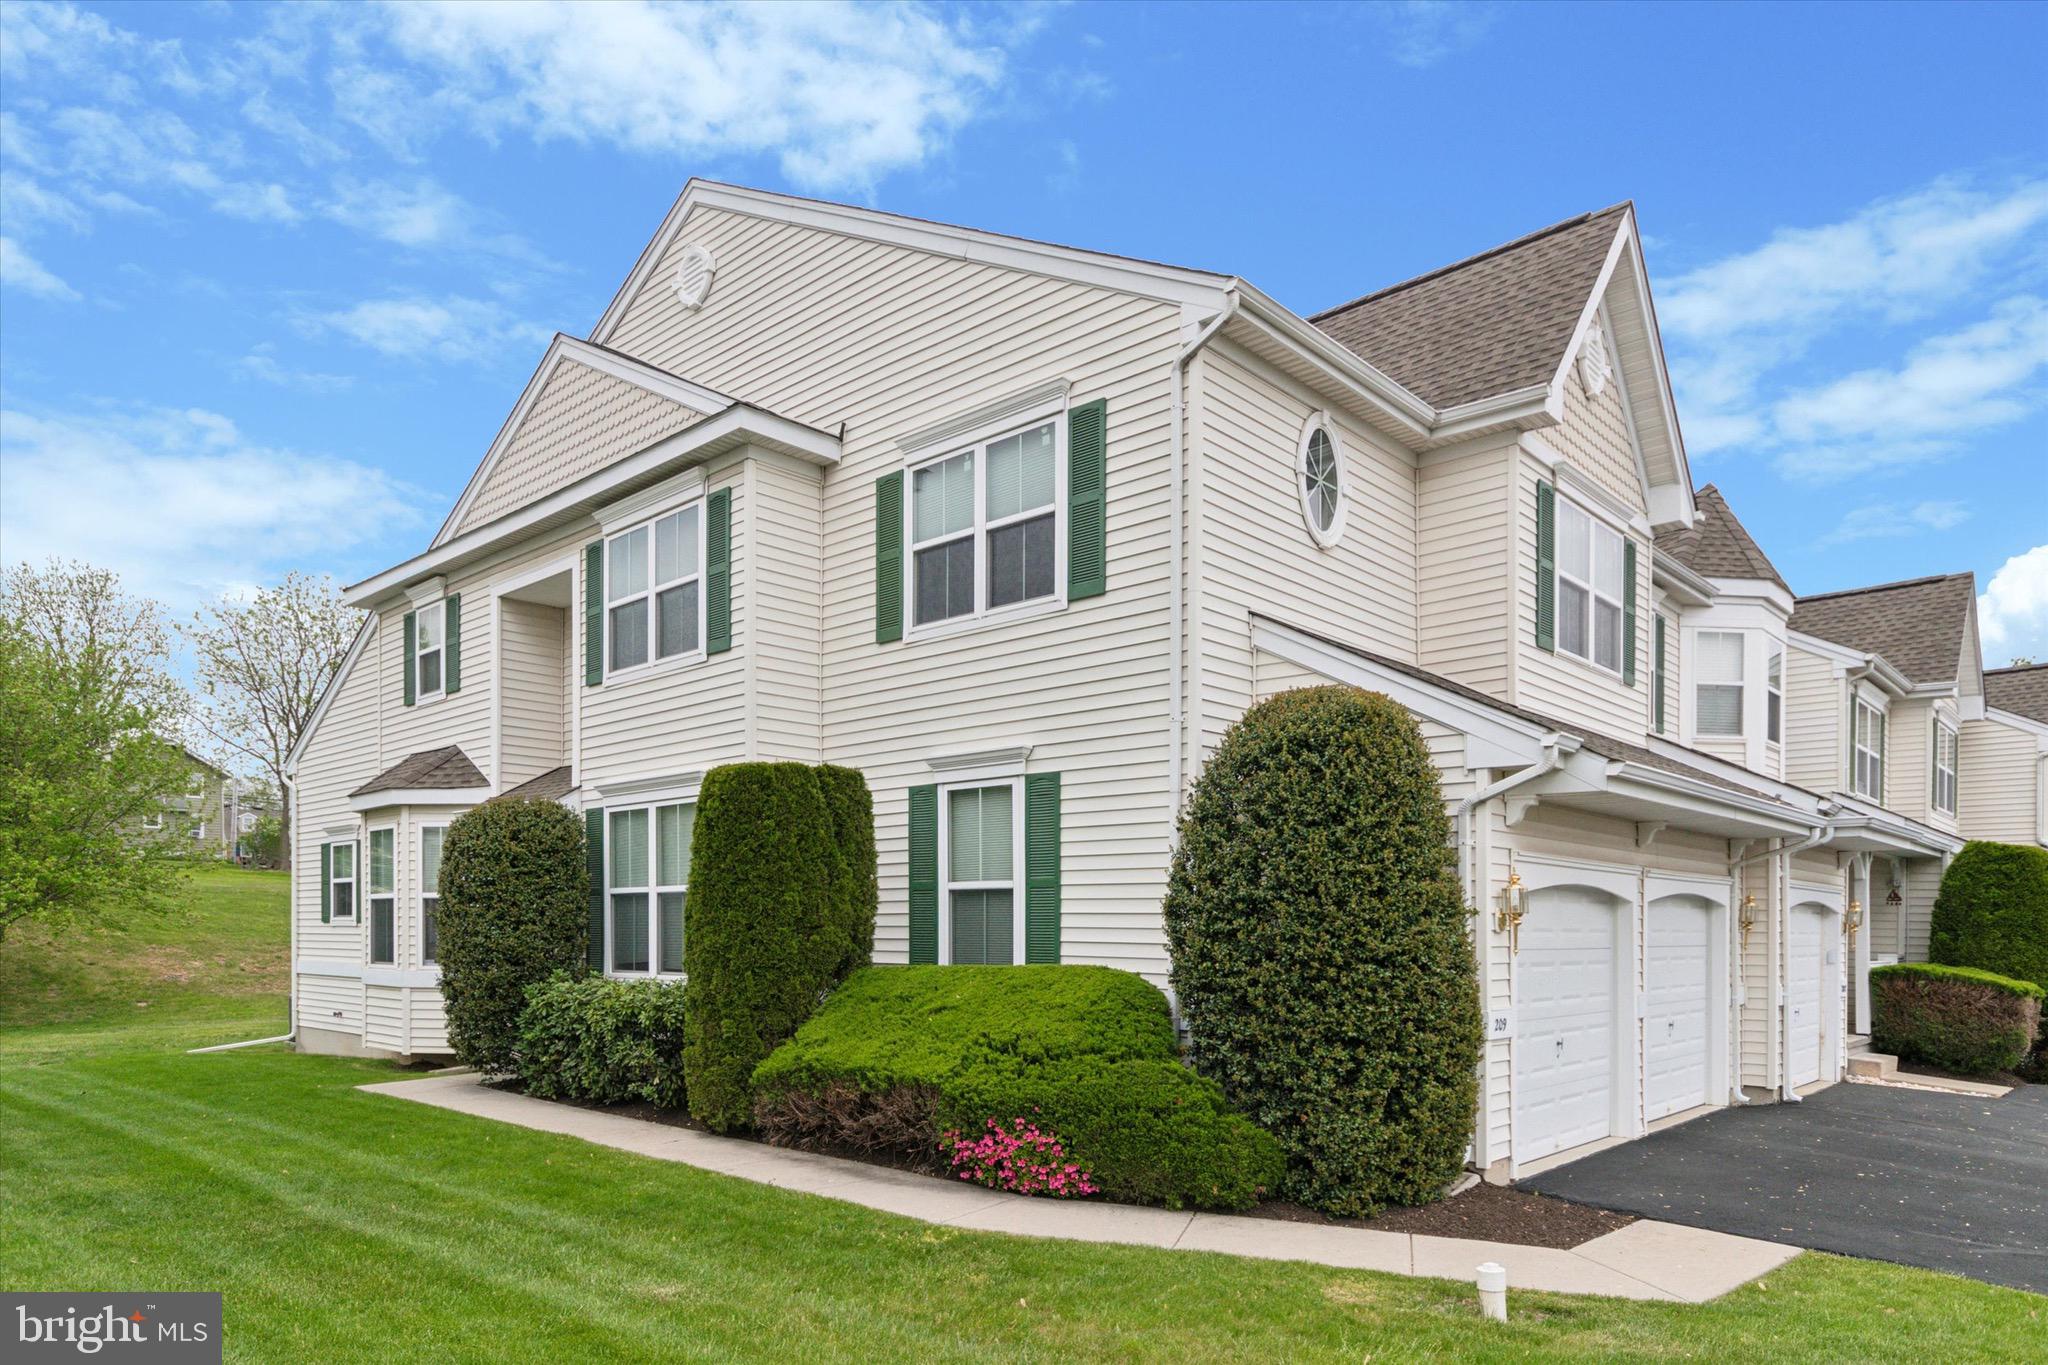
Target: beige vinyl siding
384	1018
1674	675
2000	782
334	1003
1907	757
580	421
1922	882
829	330
1464	517
1594	437
1761	963
340	756
1814	726
533	700
786	601
1253	549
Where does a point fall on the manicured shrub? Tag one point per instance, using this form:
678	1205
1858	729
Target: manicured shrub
855	893
585	1037
902	1055
1319	948
763	938
514	898
1954	1018
1992	911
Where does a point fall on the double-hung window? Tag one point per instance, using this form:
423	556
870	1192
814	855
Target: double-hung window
648	862
1589	587
341	881
654	590
383	896
1717	683
430	892
1944	767
1869	751
430	652
982	830
1774	696
984	527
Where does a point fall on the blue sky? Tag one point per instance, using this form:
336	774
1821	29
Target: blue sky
271	277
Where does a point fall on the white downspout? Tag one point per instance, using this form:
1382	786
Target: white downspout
291	998
1176	608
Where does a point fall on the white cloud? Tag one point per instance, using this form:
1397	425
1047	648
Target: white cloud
417	213
20	270
412	327
842	94
180	503
262	366
1427	31
2012	613
1886	520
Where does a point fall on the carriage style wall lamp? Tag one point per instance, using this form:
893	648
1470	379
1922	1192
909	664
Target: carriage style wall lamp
1855	920
1508	918
1748	920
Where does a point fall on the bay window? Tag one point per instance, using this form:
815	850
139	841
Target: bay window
984	526
647	887
1868	772
383	896
1590	587
654	590
982	833
1944	767
1774	696
430	892
1717	683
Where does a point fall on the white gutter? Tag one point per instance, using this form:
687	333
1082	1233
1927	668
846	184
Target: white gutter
1176	601
1557	747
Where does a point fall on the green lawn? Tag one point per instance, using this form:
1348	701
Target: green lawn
343	1225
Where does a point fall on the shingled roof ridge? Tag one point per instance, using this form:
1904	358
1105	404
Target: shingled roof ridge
2015	668
1439	272
1920	582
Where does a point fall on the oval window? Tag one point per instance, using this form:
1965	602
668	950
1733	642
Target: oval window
1322	483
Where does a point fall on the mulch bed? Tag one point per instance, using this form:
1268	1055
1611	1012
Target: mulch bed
1487	1213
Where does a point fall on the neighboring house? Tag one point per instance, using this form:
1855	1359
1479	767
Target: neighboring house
1019	531
199	818
2005	758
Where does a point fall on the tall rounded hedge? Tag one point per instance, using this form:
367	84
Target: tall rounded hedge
514	911
855	897
1320	952
1992	912
769	923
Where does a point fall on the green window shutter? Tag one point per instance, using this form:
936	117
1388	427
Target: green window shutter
924	874
411	650
889	558
1657	702
1087	500
451	644
593	613
593	858
718	573
1628	613
1042	867
1546	566
327	883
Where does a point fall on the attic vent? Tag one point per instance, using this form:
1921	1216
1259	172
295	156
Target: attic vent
693	276
1593	366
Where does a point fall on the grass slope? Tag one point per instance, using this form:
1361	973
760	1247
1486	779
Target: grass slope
344	1225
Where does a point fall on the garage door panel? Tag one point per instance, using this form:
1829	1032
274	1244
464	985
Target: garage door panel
1565	1039
1803	993
1678	997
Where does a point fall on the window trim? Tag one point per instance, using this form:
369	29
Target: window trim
371	896
1945	731
1018	856
653	890
436	612
700	498
1596	524
977	440
420	895
1774	691
1741	685
153	822
354	915
1857	749
1324	539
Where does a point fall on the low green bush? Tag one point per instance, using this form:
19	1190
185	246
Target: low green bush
900	1056
1955	1018
603	1040
1992	911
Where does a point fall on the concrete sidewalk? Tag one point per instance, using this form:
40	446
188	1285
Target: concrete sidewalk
1645	1260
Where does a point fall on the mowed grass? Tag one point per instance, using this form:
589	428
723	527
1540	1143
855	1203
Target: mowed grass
348	1226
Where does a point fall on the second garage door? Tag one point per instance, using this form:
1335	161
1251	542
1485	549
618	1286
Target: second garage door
1803	991
1564	1038
1676	1038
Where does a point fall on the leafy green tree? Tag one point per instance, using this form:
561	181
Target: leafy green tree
87	768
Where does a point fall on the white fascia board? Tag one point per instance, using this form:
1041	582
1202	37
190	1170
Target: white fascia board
1706	798
1534	406
738	425
2016	721
1681	582
1414	417
1789	794
419	796
1147	279
1671	505
348	661
1762	590
1591	309
1893	837
1874	668
1668	405
1493	739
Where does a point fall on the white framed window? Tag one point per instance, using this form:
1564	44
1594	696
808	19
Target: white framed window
1868	771
1717	683
195	783
341	882
647	861
1774	696
981	842
153	822
430	657
1589	587
654	590
1944	767
430	892
246	822
383	895
1319	479
984	527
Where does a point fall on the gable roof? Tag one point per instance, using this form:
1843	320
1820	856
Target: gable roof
446	769
2021	689
1492	323
1717	545
1918	625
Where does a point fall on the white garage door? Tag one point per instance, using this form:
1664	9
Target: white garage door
1803	992
1675	1034
1564	1022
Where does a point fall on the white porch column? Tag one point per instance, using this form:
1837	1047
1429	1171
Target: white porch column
1860	893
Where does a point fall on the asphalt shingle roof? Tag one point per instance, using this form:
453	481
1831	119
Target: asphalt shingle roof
552	785
1490	324
429	770
2022	690
1717	545
1916	625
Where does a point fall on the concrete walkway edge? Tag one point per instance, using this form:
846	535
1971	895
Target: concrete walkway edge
1645	1260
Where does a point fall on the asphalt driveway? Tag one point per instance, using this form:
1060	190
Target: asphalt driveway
1950	1182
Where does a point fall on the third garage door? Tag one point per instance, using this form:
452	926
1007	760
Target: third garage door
1564	1037
1676	1038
